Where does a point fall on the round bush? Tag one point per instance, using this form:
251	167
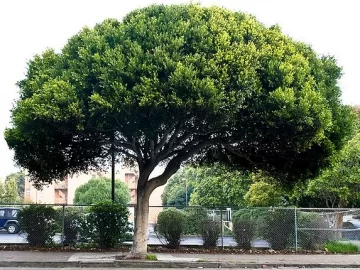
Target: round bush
70	220
210	233
171	224
277	227
195	217
244	232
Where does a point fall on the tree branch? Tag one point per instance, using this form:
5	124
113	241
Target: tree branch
127	153
236	152
152	150
174	165
164	139
137	150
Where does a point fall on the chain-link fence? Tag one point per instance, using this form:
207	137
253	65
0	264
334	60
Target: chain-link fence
66	225
275	228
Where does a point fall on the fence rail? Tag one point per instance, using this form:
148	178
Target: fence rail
276	228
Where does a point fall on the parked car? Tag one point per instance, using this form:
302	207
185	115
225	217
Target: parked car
9	220
351	228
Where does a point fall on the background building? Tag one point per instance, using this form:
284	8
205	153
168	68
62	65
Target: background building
64	192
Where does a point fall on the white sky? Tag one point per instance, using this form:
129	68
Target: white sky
29	27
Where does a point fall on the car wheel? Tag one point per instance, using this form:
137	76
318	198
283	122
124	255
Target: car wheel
12	228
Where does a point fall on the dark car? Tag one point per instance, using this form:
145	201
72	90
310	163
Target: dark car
8	219
351	229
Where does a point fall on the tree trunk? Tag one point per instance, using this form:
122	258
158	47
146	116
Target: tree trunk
339	221
144	189
139	248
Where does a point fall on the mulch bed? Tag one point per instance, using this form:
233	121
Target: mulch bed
152	249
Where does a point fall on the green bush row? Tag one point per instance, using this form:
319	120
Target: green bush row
105	224
277	226
173	223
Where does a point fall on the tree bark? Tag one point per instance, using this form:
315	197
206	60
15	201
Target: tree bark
144	189
339	221
139	248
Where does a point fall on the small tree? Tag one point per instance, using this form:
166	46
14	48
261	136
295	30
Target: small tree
98	190
9	191
264	191
19	178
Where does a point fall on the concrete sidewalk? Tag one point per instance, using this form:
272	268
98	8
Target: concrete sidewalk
180	260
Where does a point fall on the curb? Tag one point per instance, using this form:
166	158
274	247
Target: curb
166	264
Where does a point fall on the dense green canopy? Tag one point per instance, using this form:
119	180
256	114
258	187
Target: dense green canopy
169	79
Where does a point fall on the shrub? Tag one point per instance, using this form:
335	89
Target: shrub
244	232
171	224
251	213
107	224
150	257
339	247
194	220
210	233
277	227
72	220
314	238
39	222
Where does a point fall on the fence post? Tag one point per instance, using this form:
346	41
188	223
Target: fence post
296	230
222	228
63	225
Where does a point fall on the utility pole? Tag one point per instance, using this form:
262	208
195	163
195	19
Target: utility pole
113	169
186	192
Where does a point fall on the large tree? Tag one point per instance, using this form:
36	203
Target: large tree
213	186
9	192
339	185
98	189
169	83
264	191
19	178
218	186
180	187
